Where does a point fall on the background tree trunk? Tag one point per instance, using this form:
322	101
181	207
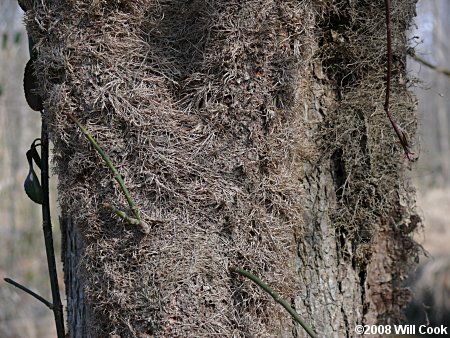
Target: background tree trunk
442	121
250	134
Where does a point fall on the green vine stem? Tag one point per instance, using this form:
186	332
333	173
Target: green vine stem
122	214
277	298
117	176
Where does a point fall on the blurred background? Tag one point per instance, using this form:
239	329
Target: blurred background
432	172
22	253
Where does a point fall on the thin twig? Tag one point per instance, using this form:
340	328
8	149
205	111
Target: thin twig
400	134
277	298
443	71
108	161
31	293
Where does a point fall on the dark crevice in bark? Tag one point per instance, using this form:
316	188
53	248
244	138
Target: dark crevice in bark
346	323
363	137
77	312
362	282
338	172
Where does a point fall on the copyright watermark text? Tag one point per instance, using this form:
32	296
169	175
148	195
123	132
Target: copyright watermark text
400	329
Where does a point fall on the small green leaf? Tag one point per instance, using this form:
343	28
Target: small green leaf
33	188
17	37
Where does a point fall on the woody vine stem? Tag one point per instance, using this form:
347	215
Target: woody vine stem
398	131
56	304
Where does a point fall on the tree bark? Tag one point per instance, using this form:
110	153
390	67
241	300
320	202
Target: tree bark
78	316
250	134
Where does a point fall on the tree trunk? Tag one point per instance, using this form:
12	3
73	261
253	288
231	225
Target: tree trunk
249	134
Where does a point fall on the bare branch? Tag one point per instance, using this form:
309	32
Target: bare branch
443	71
31	293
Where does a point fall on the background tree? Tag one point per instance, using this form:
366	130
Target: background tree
433	94
250	134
